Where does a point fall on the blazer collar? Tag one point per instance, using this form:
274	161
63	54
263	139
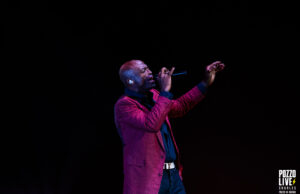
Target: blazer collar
141	97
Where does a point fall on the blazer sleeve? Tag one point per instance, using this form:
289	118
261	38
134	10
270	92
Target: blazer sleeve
186	102
127	112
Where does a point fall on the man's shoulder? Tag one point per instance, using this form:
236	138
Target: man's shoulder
124	100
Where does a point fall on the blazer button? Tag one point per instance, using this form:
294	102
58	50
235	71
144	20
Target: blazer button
161	156
159	174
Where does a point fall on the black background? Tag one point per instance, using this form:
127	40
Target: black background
62	82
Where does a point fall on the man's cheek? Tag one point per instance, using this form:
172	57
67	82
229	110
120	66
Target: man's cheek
140	82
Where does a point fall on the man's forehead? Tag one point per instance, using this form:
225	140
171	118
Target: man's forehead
140	64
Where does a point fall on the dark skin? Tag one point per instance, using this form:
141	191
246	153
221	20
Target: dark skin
142	78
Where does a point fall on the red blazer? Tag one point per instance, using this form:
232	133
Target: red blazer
139	128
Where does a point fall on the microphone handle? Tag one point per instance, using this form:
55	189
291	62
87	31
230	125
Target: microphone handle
175	74
180	73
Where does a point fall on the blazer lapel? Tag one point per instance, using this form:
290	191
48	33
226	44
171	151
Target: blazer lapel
158	134
160	140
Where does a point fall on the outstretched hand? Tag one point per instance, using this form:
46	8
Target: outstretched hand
211	70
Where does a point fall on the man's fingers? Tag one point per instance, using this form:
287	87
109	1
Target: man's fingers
219	67
216	63
172	70
215	66
163	70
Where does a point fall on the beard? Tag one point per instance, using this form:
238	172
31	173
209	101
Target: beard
148	85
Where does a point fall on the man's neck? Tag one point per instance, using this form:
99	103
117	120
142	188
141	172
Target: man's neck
140	91
139	94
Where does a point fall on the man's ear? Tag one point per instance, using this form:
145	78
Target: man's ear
130	82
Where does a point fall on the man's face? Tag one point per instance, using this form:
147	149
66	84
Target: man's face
144	76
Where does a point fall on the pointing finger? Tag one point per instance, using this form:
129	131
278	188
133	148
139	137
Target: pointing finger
172	70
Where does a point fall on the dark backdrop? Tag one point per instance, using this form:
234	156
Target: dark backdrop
62	80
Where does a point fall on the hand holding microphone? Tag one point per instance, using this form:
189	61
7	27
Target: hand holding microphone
164	79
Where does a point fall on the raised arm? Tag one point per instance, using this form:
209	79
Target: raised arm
129	113
187	101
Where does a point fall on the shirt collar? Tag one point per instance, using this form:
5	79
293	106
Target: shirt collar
140	96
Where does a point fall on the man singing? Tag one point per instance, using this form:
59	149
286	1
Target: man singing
150	155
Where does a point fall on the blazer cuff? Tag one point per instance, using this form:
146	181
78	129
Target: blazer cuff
202	87
166	94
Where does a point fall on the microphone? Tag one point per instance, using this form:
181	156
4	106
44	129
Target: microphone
174	74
